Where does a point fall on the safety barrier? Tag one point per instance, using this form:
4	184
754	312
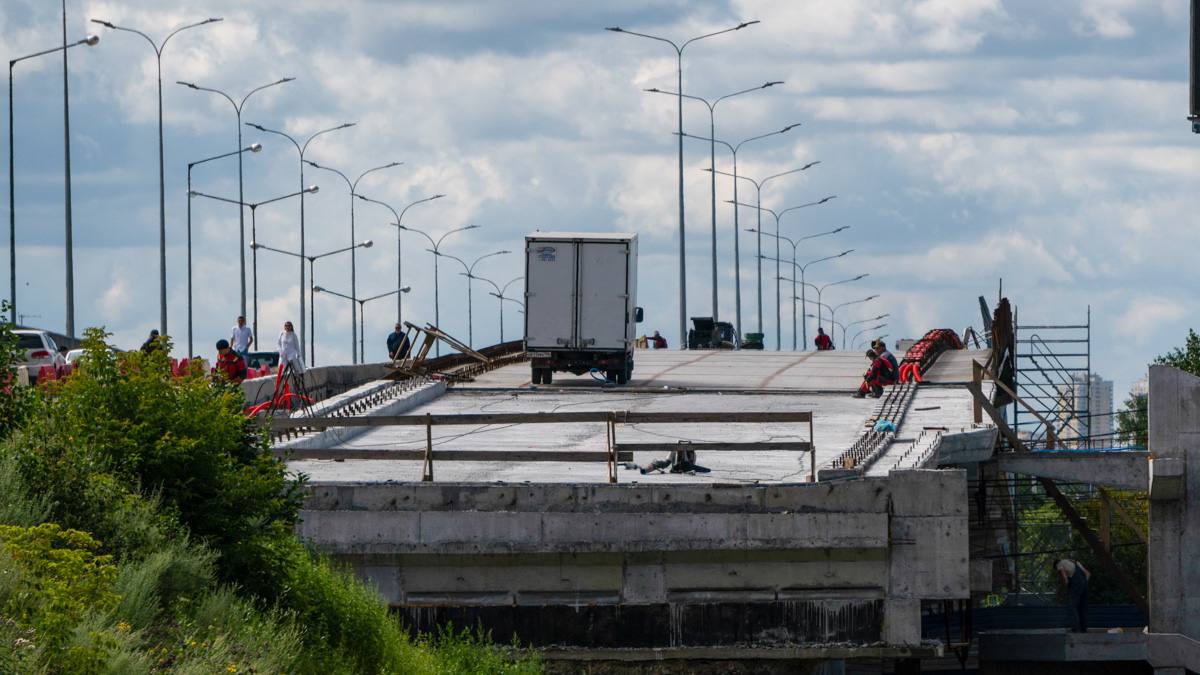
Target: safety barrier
921	355
615	452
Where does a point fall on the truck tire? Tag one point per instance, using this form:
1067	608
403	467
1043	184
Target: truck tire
547	376
536	377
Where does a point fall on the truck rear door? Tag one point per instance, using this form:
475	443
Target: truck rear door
604	295
550	294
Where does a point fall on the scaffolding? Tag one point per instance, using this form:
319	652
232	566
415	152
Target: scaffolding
1053	373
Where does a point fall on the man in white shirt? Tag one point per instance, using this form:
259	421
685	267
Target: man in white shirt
1075	577
242	338
289	349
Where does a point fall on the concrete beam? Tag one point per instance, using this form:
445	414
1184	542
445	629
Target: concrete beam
1058	646
1119	470
1172	650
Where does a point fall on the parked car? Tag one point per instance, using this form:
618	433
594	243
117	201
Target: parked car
73	356
39	349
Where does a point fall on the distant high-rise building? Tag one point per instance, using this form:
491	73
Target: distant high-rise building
1086	411
1141	387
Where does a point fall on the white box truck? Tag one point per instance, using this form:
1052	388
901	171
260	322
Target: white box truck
581	308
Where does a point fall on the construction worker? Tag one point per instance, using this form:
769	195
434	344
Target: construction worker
658	341
822	340
397	343
881	349
151	342
1073	575
289	349
230	364
879	374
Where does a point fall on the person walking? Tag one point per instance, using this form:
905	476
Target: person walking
289	349
397	343
1074	576
242	338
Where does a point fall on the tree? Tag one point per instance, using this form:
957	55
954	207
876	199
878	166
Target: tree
1133	421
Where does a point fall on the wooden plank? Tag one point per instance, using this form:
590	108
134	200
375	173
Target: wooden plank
793	446
471	419
418	455
711	417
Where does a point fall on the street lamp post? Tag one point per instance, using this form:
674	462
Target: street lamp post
679	86
312	261
500	294
237	109
437	317
362	329
758	186
253	206
469	273
90	41
301	148
821	289
794	244
854	340
712	166
778	274
253	147
162	186
399	251
833	311
353	185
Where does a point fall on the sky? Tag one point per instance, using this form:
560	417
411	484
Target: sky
967	141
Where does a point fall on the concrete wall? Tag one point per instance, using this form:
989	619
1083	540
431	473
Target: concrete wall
321	382
688	564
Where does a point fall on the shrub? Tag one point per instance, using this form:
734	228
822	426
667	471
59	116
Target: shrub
62	579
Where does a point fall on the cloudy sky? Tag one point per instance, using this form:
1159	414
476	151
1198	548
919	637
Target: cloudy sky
966	140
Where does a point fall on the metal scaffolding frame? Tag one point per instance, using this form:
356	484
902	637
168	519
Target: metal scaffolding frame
1053	363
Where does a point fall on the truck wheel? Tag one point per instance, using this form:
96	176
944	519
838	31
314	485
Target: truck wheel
618	376
629	371
547	376
537	376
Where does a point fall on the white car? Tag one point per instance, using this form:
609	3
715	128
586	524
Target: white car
39	349
73	356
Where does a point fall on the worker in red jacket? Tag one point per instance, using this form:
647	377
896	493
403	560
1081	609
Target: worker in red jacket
878	375
823	342
230	364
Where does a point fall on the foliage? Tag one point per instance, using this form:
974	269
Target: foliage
16	402
1185	358
60	578
122	422
1133	422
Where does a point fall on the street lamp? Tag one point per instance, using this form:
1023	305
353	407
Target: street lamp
737	250
312	260
253	147
399	251
237	109
90	41
362	310
301	148
253	206
778	275
469	273
162	186
833	311
794	244
500	294
854	340
353	185
821	289
437	317
679	86
712	165
758	186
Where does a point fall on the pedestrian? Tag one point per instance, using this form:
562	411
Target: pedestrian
822	341
398	343
289	349
658	341
230	364
879	374
1074	576
151	343
242	338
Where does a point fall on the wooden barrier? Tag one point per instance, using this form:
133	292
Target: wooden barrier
614	453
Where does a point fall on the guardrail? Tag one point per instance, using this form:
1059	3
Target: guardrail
614	453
